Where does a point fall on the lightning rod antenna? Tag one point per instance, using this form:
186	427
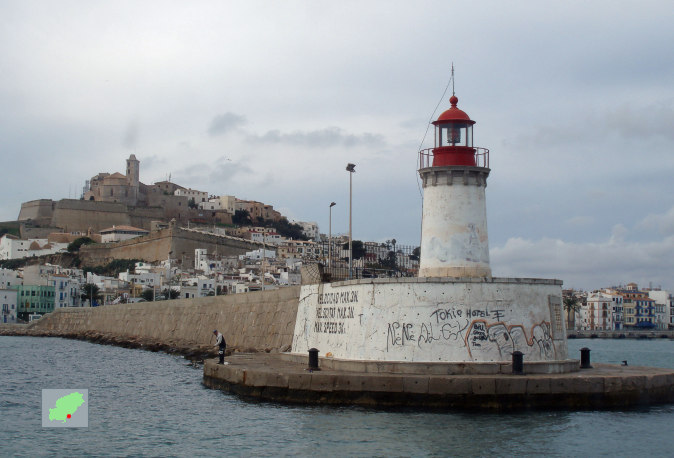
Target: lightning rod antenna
453	79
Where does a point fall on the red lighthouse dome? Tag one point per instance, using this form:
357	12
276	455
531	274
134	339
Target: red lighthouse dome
453	138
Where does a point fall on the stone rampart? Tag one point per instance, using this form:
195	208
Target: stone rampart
80	215
258	321
151	248
176	243
36	209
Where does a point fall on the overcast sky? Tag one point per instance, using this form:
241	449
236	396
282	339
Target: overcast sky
269	101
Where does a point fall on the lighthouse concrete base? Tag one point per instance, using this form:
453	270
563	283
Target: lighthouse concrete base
434	320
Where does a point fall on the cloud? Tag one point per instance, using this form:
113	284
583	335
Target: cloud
224	123
615	260
626	122
664	223
640	122
225	169
213	176
327	137
580	221
130	140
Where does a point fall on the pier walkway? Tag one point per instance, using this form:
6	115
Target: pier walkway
282	378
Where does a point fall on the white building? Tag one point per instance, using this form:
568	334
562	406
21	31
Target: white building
205	264
144	267
309	229
258	254
270	238
198	196
199	286
146	279
9	277
119	233
8	302
289	277
12	247
664	308
238	288
225	203
200	258
66	290
598	313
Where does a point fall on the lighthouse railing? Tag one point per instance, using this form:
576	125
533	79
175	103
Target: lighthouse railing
481	157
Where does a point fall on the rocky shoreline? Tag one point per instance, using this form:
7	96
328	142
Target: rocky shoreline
194	353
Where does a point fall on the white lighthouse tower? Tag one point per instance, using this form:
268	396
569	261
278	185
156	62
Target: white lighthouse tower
454	173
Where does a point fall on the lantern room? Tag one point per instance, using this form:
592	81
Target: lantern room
453	138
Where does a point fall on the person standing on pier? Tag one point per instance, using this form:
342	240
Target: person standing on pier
221	344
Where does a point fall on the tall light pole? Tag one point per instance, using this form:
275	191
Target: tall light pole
264	255
351	168
332	204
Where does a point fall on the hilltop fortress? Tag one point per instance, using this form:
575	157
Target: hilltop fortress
115	200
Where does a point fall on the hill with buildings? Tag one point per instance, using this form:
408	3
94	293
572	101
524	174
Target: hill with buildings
114	199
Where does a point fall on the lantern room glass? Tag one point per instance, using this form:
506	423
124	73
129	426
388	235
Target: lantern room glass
455	134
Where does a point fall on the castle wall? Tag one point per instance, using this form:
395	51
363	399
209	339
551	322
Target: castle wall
36	209
160	245
173	206
80	215
142	217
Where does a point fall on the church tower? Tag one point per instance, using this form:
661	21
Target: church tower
133	177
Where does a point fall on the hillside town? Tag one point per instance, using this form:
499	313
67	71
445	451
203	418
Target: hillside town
33	290
63	254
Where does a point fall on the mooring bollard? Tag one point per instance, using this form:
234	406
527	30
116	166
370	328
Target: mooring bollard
313	359
518	363
585	358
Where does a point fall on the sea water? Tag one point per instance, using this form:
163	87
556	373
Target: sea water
153	404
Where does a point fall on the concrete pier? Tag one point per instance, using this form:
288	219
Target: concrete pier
283	378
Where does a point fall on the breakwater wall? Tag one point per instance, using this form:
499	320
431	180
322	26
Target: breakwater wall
251	322
621	334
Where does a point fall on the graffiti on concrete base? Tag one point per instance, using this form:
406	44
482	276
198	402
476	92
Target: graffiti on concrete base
482	340
401	334
498	341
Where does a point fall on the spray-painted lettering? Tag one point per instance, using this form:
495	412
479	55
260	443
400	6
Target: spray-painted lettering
399	333
343	297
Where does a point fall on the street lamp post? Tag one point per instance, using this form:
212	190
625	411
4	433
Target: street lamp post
264	255
351	168
332	204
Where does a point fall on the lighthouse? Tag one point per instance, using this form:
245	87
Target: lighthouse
454	314
454	241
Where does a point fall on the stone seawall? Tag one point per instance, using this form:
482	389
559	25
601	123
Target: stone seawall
622	334
257	321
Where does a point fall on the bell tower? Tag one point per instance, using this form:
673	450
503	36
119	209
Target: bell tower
133	177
